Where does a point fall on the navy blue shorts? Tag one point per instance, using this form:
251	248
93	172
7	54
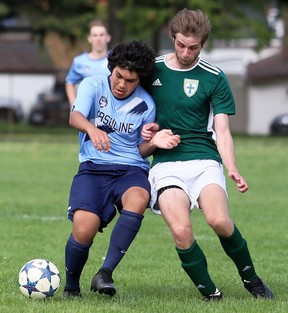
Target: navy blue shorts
99	188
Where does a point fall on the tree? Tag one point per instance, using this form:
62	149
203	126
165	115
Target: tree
58	25
231	19
69	18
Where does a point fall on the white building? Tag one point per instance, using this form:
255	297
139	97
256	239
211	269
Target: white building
259	82
267	91
25	70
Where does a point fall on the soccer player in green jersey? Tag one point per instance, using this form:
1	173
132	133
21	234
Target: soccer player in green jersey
193	99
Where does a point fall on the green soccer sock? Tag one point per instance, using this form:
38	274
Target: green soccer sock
236	248
195	265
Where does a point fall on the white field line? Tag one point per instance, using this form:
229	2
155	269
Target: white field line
42	218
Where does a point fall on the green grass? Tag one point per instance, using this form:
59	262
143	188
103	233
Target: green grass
35	177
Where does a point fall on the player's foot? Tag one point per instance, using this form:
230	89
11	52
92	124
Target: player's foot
216	296
71	293
103	282
258	289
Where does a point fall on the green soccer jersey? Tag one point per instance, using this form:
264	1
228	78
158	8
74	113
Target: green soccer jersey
186	101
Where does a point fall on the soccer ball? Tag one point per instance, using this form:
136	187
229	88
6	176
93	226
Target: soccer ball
39	279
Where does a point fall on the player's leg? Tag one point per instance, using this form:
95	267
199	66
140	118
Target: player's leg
134	202
85	226
213	202
85	203
133	199
175	208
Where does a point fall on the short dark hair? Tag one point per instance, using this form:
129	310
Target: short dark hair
134	56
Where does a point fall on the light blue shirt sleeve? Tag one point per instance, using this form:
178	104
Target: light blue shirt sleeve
82	66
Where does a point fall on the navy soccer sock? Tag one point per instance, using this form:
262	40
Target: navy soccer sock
76	256
124	232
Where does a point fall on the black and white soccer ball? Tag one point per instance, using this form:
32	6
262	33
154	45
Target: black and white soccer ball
39	279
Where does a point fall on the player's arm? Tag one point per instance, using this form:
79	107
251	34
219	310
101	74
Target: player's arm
225	147
149	130
71	93
99	138
163	139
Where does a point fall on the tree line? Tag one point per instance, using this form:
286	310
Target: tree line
142	19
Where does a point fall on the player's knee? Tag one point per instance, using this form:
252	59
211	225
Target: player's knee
137	201
183	237
221	225
83	235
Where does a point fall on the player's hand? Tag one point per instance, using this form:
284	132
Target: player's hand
165	139
149	130
100	139
239	180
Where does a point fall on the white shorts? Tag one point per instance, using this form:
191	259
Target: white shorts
191	176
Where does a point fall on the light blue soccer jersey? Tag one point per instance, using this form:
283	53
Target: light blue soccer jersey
82	66
122	120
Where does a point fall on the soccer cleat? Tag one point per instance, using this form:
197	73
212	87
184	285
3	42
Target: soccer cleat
216	296
103	282
71	294
258	289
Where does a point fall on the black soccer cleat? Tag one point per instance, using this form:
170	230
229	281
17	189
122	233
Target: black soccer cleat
258	289
71	293
103	282
216	296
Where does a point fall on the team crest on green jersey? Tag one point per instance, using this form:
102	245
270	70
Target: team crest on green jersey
190	86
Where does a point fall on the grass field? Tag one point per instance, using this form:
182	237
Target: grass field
35	177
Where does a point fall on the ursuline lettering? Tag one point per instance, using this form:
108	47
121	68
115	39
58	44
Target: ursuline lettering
105	119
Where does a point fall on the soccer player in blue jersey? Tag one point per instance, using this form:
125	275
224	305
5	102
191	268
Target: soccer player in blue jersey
89	63
109	113
193	99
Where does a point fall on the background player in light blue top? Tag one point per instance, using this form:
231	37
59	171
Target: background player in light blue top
110	112
89	63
